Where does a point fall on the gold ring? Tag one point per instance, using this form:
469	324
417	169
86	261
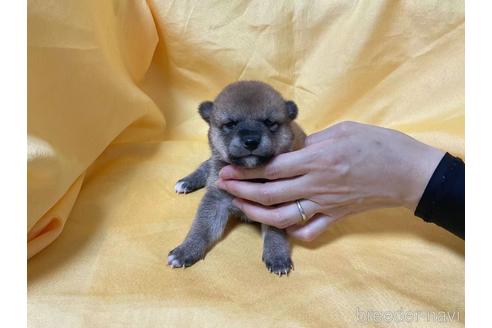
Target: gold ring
301	211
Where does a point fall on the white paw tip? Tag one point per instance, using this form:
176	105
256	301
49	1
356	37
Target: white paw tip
180	187
172	261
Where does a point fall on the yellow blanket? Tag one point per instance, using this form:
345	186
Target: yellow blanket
113	88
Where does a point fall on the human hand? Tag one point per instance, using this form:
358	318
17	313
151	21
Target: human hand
345	169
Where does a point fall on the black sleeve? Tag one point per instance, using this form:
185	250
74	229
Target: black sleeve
443	201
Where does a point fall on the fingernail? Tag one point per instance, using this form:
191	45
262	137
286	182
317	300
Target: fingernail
220	184
227	172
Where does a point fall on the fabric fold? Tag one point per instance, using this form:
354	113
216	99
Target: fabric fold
84	65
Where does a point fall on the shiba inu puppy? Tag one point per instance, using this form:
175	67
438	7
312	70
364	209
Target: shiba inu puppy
249	124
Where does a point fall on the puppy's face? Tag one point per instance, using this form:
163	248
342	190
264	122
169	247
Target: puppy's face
249	123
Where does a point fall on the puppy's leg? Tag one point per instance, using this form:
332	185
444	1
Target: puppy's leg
206	229
276	250
195	180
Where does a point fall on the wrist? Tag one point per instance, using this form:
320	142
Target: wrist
421	166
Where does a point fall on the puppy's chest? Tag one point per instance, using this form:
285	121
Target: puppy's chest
224	199
223	196
235	212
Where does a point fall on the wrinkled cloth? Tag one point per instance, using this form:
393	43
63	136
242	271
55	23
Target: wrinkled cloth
113	90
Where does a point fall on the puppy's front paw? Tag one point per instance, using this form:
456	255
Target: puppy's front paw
183	187
183	256
278	264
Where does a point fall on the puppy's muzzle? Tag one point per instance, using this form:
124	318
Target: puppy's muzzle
249	139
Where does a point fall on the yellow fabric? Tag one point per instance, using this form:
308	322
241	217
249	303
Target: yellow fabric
113	88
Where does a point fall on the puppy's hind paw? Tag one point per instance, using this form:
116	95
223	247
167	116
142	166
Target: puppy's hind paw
279	265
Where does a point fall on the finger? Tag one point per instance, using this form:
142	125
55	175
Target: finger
318	137
268	193
282	166
281	216
312	229
334	131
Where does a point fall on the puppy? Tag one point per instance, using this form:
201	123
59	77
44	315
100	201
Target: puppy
249	124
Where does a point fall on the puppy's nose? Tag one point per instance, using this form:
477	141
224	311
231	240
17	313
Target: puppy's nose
251	142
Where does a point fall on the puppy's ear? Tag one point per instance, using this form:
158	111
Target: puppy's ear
205	110
291	108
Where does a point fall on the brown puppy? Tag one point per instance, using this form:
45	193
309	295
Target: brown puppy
249	124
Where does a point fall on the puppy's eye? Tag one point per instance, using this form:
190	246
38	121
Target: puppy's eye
270	124
229	125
